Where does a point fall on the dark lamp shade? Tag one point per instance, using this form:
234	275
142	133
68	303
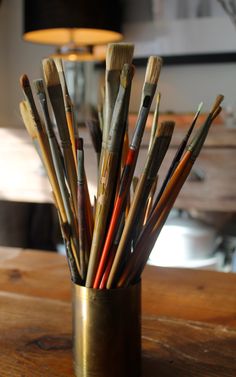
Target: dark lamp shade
81	22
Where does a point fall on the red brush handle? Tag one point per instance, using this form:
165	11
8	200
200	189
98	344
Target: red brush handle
117	212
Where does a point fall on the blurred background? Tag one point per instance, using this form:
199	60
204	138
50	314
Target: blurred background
197	40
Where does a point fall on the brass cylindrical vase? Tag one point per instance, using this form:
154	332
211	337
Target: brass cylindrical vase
107	331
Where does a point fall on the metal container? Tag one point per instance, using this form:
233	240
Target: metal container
107	331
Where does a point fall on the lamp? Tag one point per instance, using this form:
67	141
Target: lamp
79	29
72	25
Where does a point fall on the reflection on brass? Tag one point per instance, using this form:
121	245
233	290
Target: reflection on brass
107	331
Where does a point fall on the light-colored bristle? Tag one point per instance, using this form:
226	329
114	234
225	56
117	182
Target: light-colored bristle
153	69
59	64
28	119
50	72
166	128
24	81
199	107
39	87
118	54
217	103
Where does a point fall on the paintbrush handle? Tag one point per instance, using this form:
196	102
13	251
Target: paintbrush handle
141	254
56	98
154	160
83	222
148	207
102	284
139	128
59	169
65	231
123	248
107	177
82	229
143	258
177	157
117	211
111	256
70	123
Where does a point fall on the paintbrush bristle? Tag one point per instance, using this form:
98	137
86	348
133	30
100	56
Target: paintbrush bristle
28	119
50	73
24	81
118	54
199	107
39	86
217	103
166	128
59	64
153	69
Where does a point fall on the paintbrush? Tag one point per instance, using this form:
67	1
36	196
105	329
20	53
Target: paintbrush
39	83
149	87
68	104
30	115
155	121
116	56
30	127
47	161
41	135
65	231
84	234
56	98
39	87
148	207
136	264
108	174
148	238
140	255
25	85
178	154
112	254
154	159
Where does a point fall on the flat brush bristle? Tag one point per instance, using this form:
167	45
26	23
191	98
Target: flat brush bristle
166	128
118	54
28	119
153	69
39	87
59	64
217	103
50	72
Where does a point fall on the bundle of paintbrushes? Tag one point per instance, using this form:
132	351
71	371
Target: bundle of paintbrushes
108	245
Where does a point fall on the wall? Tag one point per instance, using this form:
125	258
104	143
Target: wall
19	57
182	87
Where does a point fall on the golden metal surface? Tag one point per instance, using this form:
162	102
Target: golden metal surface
107	332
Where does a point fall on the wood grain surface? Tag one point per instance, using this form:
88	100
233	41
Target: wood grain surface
188	319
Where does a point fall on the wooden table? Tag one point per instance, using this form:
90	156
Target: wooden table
188	319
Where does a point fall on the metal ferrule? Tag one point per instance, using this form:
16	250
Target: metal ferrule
139	129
